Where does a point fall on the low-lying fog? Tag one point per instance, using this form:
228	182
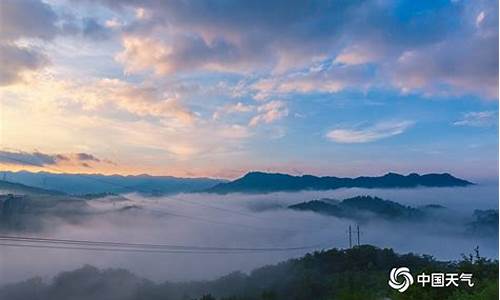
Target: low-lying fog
243	221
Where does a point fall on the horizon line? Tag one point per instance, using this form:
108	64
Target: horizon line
230	179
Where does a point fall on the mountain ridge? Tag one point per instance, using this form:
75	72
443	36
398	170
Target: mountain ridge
76	184
261	182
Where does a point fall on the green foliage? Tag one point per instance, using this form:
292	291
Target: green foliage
485	278
360	273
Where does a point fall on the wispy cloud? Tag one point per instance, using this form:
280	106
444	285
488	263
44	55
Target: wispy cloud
232	108
40	159
330	79
235	132
86	156
477	119
30	158
270	112
368	134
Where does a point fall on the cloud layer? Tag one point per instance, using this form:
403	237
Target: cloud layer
450	46
237	220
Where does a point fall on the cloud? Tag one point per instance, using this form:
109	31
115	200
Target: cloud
26	23
86	156
140	54
224	36
356	55
182	150
368	134
142	100
87	27
145	121
232	108
40	159
453	67
270	112
26	19
459	58
105	219
452	44
477	119
480	19
182	52
30	158
235	132
17	60
448	48
93	29
329	79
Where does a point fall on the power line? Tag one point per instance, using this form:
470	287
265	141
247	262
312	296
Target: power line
221	222
175	214
120	250
238	212
201	219
141	246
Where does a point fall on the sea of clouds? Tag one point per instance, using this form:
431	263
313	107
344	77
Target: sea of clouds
242	220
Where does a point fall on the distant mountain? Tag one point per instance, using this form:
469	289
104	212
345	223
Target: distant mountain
362	207
259	182
98	183
7	187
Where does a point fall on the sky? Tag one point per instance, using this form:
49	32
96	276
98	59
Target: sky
219	88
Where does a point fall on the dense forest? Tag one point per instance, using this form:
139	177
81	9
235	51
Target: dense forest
358	273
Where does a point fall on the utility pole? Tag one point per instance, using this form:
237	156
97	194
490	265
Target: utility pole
357	229
350	237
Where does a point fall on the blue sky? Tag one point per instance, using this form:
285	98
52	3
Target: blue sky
217	88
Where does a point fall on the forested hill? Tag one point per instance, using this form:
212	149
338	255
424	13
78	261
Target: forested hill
7	187
259	182
363	207
358	273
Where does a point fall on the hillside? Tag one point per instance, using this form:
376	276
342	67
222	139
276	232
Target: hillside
357	273
362	207
7	187
259	182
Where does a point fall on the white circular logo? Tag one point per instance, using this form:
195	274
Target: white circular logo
397	274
